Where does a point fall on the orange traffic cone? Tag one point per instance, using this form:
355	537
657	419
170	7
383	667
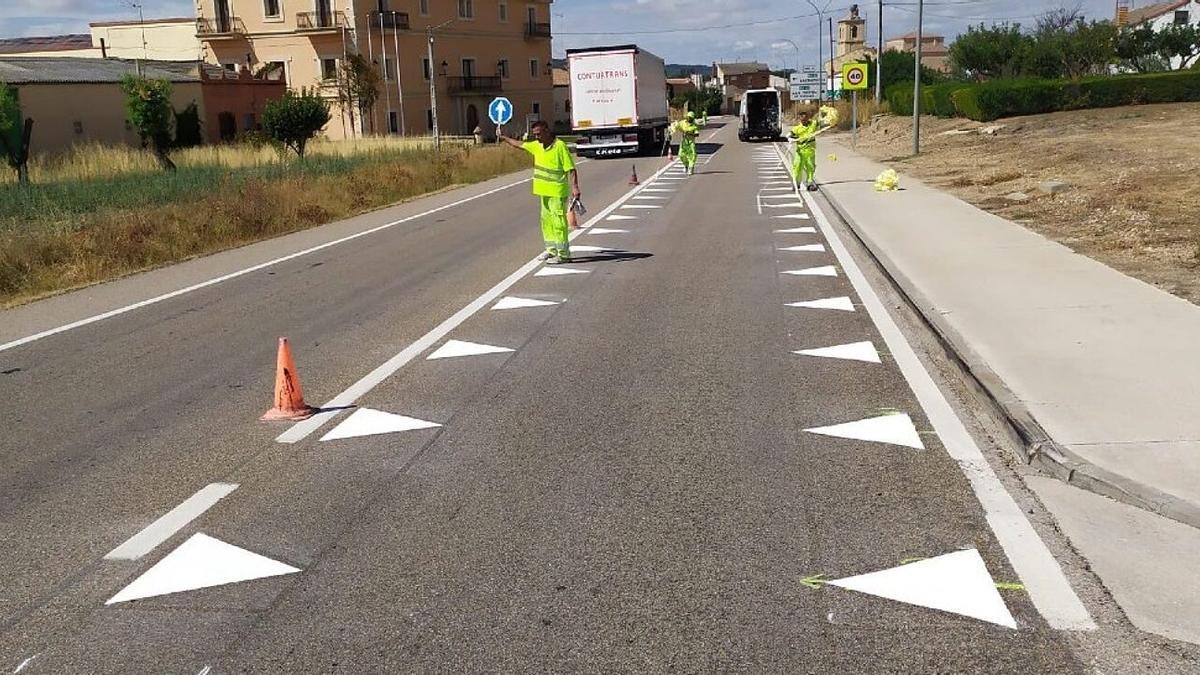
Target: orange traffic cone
289	400
633	180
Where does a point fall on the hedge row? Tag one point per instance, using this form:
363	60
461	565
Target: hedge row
987	101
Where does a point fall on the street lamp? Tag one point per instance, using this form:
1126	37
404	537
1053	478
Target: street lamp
793	44
917	83
820	49
437	139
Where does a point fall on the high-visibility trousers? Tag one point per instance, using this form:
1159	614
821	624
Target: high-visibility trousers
554	226
687	152
805	165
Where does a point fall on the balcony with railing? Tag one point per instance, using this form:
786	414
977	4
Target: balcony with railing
537	30
314	22
389	20
474	84
220	28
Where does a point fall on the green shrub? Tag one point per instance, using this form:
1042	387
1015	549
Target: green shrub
938	99
1005	98
900	97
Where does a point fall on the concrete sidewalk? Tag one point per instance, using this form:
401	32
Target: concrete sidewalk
1098	370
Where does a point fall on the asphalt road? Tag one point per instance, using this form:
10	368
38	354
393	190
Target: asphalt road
630	489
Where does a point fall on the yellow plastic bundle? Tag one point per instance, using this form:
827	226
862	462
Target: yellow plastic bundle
832	157
888	181
828	116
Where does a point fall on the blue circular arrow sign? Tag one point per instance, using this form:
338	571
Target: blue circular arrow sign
500	110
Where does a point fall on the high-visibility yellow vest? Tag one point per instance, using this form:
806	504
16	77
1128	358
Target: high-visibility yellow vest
689	130
806	134
551	168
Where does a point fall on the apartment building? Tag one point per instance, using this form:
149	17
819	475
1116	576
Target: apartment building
481	49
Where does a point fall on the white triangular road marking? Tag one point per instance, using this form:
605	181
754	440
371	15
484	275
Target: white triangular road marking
897	429
368	422
605	230
590	249
856	351
794	216
648	197
652	189
790	205
807	248
843	303
957	582
617	216
201	562
512	302
826	271
558	271
641	206
797	230
456	348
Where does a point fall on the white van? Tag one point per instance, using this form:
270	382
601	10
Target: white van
761	115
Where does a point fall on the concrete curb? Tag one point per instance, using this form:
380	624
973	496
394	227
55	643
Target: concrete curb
1036	446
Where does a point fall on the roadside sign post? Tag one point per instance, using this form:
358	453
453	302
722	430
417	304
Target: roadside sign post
854	79
806	84
500	111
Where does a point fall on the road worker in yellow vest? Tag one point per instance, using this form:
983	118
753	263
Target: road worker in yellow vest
554	180
688	132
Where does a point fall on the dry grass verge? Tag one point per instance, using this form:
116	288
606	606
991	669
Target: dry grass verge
1132	200
66	234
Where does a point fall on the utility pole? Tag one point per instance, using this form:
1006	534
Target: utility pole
917	83
399	83
437	139
820	57
831	75
879	58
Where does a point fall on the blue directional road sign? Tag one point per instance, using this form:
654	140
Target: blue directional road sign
500	110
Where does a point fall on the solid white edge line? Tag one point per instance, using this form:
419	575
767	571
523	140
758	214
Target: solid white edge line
242	272
301	430
171	522
1048	587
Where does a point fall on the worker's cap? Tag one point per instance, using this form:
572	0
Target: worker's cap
691	115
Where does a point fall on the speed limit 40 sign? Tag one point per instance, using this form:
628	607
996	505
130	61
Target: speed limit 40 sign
854	76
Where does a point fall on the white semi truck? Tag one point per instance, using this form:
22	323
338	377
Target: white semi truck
618	101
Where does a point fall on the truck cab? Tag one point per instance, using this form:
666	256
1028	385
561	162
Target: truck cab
761	115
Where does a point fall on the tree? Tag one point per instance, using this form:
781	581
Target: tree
1179	41
357	86
1064	45
187	127
14	136
1137	48
987	52
699	100
898	67
148	106
295	119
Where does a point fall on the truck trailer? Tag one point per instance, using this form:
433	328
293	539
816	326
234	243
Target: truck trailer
618	101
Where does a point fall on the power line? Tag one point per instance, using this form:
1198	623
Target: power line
692	29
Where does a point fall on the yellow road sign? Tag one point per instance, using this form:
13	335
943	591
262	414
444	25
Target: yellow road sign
854	76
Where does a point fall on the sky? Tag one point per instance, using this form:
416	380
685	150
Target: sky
680	31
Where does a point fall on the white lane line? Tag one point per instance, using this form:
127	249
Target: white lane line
1048	587
301	430
205	671
171	522
242	272
25	663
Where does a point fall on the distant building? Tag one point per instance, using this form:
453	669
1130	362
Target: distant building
153	40
934	54
678	86
1159	16
481	50
735	79
76	100
562	100
851	45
